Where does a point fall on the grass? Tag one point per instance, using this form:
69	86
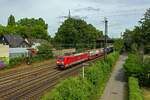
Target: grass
146	93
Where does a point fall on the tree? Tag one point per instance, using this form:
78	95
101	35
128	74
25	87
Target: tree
11	21
45	50
1	30
140	34
118	44
27	28
76	33
145	28
33	28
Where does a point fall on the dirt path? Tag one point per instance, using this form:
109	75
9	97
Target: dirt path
116	88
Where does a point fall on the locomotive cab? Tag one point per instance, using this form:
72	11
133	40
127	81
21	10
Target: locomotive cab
60	61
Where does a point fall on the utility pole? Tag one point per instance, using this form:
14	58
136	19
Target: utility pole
83	71
105	43
69	15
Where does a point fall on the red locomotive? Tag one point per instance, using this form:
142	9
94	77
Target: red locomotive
66	61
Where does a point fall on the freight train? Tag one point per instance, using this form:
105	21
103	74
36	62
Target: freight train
64	62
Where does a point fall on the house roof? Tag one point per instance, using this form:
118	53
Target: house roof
16	40
13	40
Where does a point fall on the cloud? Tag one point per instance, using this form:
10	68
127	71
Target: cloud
87	9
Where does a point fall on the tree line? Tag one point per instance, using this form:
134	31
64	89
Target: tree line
73	33
139	37
26	27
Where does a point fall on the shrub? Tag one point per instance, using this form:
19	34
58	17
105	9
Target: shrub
45	51
133	66
70	89
136	68
16	61
118	44
134	89
5	60
146	76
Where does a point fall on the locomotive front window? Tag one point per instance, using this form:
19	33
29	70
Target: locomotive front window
61	59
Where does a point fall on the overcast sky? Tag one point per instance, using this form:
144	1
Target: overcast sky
121	14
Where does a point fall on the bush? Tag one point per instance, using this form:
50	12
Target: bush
133	65
134	89
5	60
146	70
45	51
70	89
97	75
89	88
136	68
118	44
147	49
16	61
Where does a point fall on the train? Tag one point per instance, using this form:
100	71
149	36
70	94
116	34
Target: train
64	62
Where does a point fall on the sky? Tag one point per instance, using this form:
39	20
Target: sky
121	14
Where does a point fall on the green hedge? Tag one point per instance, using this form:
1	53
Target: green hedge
16	61
133	65
98	74
89	88
136	68
70	89
40	56
134	89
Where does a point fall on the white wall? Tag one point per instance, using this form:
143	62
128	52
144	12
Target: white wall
18	52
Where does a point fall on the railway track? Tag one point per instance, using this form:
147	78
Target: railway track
26	74
32	83
22	71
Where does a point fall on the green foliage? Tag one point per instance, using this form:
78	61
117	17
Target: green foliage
5	60
136	68
11	21
36	28
70	89
146	66
16	61
134	48
133	65
45	50
89	88
147	48
118	45
76	33
140	34
134	89
27	28
98	74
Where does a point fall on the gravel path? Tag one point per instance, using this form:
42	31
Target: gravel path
116	88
